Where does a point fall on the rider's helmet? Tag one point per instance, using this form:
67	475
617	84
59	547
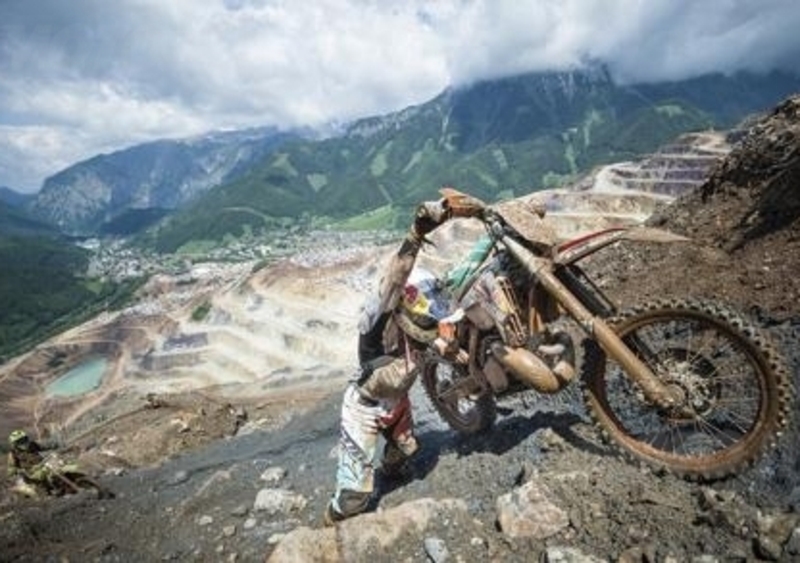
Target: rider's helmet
18	439
423	304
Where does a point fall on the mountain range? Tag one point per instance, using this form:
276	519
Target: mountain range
15	222
14	198
496	139
164	174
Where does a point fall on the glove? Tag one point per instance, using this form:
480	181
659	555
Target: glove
429	215
461	204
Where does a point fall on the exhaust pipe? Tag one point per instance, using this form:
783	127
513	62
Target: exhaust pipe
531	369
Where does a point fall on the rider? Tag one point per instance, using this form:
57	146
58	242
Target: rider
25	463
389	344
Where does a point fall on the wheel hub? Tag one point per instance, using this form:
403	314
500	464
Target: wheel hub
690	384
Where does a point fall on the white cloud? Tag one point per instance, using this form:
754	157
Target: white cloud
87	76
642	40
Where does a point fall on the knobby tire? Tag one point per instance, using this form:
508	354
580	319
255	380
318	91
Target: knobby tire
464	412
736	385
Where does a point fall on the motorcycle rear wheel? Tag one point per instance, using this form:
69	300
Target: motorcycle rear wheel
734	386
451	393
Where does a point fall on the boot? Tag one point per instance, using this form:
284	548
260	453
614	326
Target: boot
331	516
396	465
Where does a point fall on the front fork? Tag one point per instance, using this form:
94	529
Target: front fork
593	325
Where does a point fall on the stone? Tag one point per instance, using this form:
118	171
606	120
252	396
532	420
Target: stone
794	499
528	511
767	548
275	538
250	523
778	527
549	440
436	549
558	554
278	501
273	475
178	477
793	544
240	510
375	532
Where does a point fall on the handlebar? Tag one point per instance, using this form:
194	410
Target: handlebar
523	220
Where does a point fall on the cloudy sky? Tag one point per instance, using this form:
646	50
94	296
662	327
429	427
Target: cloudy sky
80	77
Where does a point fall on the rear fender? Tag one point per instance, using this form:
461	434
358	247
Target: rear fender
573	250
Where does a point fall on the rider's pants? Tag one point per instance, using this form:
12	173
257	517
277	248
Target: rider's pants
362	421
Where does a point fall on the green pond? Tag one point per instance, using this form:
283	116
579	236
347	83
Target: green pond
80	379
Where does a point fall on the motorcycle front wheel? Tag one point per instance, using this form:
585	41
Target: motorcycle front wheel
733	386
453	394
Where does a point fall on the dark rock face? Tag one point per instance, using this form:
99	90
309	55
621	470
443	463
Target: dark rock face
744	223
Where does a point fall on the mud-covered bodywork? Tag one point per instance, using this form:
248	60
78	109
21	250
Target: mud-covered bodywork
689	386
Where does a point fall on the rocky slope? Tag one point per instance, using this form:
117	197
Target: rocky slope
744	226
628	193
541	486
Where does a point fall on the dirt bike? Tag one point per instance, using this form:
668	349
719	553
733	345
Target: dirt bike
66	478
687	386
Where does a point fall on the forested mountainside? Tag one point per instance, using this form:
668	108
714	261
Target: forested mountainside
498	138
43	284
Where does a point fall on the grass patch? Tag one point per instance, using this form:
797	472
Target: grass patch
384	217
201	312
195	247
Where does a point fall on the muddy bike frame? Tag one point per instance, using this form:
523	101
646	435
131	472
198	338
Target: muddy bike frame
541	269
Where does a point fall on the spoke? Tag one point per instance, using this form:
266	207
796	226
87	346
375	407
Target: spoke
749	393
694	431
677	432
692	355
738	401
660	438
713	431
729	361
705	343
733	377
746	421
